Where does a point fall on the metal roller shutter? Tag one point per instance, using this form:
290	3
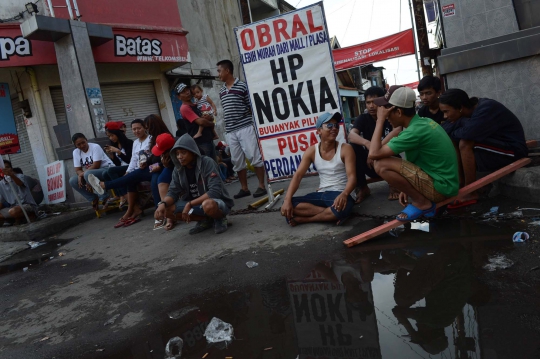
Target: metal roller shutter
25	159
123	102
126	102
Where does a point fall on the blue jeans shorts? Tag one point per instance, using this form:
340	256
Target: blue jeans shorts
325	200
198	210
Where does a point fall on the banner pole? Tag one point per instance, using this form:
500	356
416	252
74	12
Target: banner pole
414	38
18	201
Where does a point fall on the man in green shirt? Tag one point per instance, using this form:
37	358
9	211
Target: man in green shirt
430	173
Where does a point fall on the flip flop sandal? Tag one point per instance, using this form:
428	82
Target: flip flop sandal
159	224
458	204
133	220
122	204
414	213
121	223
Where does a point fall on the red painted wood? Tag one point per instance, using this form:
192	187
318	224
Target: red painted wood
465	190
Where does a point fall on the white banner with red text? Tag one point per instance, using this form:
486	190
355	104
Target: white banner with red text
289	71
56	182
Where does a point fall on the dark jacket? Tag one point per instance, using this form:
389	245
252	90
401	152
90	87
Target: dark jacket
207	174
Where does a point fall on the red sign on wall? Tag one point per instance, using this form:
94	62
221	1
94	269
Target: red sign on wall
136	36
396	45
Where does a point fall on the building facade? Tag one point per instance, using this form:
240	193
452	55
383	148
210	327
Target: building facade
149	49
492	51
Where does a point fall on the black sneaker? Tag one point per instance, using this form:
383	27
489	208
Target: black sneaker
260	192
202	226
220	225
242	193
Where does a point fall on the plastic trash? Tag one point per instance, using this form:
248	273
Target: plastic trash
177	314
218	331
498	262
173	349
112	320
34	244
494	211
25	269
520	237
252	264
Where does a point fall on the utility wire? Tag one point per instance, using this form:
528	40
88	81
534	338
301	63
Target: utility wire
348	23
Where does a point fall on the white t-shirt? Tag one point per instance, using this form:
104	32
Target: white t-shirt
138	146
94	153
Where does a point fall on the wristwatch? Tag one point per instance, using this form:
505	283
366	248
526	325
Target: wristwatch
162	202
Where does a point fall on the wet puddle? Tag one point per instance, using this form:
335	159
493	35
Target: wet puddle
413	297
32	258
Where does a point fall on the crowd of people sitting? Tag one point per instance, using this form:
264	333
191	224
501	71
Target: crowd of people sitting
425	155
445	145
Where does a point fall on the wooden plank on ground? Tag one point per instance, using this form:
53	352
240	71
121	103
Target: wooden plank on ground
465	190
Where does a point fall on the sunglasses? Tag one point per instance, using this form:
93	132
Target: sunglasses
331	125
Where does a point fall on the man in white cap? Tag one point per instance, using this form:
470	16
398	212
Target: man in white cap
430	173
335	162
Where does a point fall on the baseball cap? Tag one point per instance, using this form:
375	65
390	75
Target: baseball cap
180	87
164	142
327	116
113	125
399	96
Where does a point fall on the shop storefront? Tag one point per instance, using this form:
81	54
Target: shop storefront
130	66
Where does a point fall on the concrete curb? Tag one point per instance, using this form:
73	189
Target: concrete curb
522	185
46	227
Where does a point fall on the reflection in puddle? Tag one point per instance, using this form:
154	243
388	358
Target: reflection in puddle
419	300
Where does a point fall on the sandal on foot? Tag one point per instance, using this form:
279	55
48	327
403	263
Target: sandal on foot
121	223
414	213
158	224
133	220
122	204
291	222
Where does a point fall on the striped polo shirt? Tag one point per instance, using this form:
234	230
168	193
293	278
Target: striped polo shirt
236	106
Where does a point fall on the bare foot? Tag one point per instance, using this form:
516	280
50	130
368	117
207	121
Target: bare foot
292	222
362	194
197	135
170	224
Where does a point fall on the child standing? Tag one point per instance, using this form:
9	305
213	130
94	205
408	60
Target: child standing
205	105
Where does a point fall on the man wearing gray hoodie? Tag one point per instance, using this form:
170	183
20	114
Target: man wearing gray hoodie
196	192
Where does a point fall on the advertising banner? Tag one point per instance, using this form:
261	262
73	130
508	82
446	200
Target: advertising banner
385	48
9	140
56	182
289	71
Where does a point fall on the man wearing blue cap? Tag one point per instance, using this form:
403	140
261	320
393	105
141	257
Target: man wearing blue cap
335	163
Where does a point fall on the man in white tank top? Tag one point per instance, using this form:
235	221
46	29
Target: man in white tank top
335	162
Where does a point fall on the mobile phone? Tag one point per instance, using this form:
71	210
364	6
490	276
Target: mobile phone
190	212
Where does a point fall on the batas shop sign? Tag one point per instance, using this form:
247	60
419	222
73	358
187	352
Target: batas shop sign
127	46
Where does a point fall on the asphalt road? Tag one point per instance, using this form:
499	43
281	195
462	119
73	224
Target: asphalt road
134	276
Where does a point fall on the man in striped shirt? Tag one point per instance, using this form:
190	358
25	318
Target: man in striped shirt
239	129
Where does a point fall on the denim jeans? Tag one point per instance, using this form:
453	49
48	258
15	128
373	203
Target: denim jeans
165	176
89	196
130	180
115	173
